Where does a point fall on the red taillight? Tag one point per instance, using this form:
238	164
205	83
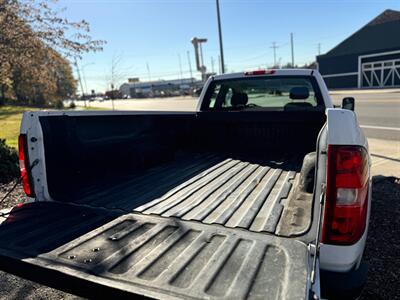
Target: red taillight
24	165
346	195
259	72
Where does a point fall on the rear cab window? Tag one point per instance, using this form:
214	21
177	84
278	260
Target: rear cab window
284	93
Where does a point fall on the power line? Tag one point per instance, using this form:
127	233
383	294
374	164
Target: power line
256	57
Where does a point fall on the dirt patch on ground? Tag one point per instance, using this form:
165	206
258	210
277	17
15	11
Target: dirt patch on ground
13	287
382	252
15	197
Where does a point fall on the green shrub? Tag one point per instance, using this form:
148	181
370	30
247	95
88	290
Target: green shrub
9	169
58	104
72	105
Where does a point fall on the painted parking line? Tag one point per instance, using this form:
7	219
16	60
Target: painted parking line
380	127
392	158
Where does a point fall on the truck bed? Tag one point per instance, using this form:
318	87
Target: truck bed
252	193
100	253
167	205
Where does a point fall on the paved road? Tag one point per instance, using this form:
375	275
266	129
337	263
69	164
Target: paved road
378	113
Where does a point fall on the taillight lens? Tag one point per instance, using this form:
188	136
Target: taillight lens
24	165
346	195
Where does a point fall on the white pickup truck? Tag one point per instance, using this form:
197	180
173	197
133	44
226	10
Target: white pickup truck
263	192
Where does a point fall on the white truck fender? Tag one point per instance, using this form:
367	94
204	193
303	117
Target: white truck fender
343	129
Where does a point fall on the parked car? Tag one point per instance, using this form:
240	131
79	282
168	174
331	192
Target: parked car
257	194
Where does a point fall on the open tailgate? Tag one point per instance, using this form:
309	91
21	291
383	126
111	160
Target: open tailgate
99	253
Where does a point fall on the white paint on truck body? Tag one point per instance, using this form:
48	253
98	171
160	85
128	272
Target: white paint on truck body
343	129
30	126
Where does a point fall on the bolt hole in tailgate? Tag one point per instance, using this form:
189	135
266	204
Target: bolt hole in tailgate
170	205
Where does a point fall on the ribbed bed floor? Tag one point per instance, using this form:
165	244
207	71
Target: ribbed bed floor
234	192
96	253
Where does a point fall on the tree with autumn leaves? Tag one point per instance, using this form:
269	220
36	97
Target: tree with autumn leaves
36	43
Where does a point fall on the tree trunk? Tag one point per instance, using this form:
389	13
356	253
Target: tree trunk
3	95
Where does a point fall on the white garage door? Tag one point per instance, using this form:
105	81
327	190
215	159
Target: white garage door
381	73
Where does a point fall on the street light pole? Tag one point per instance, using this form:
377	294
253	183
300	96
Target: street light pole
190	66
84	76
221	49
80	81
292	48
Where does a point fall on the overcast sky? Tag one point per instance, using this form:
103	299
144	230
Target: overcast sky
157	32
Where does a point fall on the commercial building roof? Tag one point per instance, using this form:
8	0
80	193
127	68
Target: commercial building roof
159	83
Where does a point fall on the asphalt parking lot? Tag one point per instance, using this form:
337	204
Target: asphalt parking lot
378	114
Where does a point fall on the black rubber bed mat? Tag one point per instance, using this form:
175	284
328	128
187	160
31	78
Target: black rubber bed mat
98	253
212	189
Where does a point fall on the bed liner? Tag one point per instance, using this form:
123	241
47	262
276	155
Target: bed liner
98	252
201	226
260	195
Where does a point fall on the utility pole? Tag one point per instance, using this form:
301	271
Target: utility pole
274	47
112	96
84	78
190	66
292	47
221	50
80	81
219	64
180	67
212	64
319	48
148	70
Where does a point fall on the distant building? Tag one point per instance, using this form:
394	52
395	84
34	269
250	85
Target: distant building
370	58
137	89
133	79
